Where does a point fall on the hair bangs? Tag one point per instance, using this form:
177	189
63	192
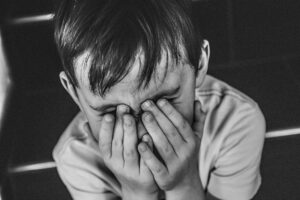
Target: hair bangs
116	31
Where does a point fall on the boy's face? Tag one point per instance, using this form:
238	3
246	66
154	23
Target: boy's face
176	84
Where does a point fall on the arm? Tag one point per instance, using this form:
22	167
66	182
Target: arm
81	180
237	165
176	142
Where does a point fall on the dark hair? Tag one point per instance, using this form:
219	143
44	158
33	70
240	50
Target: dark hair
114	31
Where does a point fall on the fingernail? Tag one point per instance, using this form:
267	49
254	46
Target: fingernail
146	104
108	118
145	138
162	102
123	109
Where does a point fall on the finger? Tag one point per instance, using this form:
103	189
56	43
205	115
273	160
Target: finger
160	141
117	143
177	119
143	167
147	139
165	124
105	136
130	142
199	119
156	167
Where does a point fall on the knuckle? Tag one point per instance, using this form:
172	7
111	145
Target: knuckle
167	149
117	143
183	123
172	132
129	153
158	169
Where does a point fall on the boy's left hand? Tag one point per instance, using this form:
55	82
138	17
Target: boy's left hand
177	144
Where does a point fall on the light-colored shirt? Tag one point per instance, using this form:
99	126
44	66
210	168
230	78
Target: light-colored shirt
229	153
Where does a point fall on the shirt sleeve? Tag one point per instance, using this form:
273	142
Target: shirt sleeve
80	188
236	173
83	175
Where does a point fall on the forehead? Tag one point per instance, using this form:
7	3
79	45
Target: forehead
164	70
167	72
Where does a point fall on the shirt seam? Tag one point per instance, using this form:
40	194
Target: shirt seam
226	92
62	150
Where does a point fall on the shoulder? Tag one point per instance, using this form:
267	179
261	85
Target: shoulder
79	162
223	103
73	132
232	140
77	145
214	92
229	112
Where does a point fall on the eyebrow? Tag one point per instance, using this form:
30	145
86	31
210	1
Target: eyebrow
170	92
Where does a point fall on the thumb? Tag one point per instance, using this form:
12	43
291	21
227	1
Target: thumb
199	119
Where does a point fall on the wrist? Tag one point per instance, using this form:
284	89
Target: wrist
192	190
134	195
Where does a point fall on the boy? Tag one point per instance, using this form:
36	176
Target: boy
152	124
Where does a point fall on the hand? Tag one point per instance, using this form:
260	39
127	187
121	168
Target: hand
118	146
177	145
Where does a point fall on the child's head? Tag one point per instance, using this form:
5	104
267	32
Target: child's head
126	51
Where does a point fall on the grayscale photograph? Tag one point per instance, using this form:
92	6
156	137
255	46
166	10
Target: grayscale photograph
149	100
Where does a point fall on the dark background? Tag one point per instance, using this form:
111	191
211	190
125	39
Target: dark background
255	47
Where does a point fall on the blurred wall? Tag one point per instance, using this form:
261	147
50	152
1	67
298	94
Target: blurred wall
5	81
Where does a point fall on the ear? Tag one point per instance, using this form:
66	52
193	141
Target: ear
203	63
69	87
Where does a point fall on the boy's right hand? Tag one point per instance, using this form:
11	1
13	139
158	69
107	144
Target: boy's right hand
118	146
